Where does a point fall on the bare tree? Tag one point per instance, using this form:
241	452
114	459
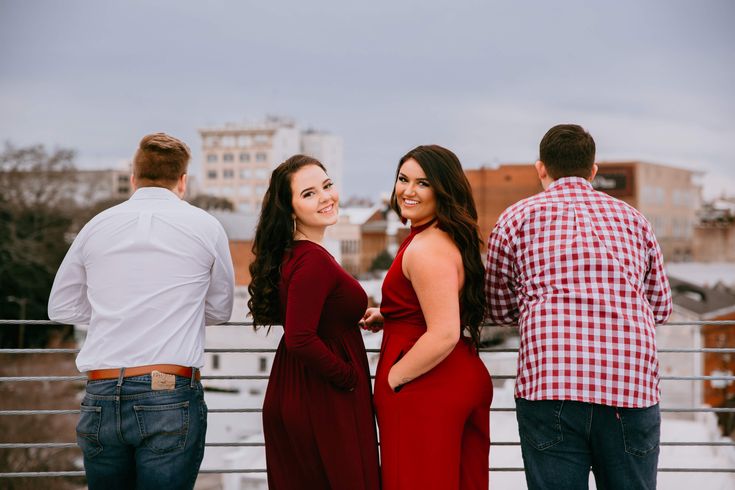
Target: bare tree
211	203
36	210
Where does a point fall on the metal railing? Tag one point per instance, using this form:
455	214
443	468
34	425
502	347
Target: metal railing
50	378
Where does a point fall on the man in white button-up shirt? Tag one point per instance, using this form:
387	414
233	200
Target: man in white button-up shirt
146	276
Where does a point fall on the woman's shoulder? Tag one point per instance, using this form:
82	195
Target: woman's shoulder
433	240
431	245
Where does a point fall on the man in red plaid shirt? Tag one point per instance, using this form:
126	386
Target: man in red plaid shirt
582	274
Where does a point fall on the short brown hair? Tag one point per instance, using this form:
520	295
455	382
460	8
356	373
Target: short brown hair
567	150
160	160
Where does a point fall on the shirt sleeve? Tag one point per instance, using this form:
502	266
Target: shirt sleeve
221	292
311	281
656	284
68	302
502	302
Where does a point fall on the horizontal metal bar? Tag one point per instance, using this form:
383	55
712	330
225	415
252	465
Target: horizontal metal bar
41	474
707	350
22	379
73	445
38	474
39	351
249	323
704	350
260	410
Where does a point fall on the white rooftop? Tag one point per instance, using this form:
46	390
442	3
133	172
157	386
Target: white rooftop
703	274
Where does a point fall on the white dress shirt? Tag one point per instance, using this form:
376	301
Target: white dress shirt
145	275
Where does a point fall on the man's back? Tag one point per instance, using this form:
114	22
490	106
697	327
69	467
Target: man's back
582	274
151	267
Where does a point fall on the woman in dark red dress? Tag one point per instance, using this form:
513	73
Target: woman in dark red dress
318	419
432	391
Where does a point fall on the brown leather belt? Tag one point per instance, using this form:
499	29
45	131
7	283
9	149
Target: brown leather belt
184	371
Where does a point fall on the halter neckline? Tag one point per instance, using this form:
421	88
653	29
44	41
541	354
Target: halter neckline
420	228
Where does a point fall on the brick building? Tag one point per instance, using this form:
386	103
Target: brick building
667	196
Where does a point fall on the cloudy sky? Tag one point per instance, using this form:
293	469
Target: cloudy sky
652	80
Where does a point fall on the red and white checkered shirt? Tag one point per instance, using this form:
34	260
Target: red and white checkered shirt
582	274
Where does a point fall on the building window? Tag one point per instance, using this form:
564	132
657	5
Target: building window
228	157
262	364
212	174
244	157
212	157
228	173
260	157
246	173
261	173
215	361
349	246
212	141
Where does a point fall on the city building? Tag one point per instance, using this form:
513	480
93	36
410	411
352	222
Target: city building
714	234
75	186
240	230
667	196
364	233
495	189
238	158
697	303
328	149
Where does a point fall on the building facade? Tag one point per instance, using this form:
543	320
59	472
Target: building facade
667	196
495	189
238	159
714	235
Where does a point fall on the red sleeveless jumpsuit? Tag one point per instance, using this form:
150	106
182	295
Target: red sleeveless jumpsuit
434	432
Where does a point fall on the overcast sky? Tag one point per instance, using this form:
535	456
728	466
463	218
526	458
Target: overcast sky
651	80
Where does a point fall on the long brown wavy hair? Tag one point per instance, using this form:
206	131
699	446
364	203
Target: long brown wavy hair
273	239
457	216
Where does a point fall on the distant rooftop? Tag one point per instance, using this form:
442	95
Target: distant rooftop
704	274
703	301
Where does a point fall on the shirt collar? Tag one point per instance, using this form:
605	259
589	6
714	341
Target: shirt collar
571	182
154	193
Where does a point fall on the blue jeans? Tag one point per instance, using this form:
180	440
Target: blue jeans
562	440
136	438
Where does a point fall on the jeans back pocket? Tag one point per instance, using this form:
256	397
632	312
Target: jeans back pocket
88	430
641	429
163	428
539	422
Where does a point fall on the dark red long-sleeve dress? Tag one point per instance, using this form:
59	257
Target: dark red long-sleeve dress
318	418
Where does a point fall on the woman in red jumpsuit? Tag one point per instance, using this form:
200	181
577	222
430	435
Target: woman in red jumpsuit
318	418
432	391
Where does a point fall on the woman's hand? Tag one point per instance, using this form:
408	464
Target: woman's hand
372	320
393	380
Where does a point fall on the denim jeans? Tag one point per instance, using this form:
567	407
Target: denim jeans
562	440
136	438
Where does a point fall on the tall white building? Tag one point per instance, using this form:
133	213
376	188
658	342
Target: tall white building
327	148
239	158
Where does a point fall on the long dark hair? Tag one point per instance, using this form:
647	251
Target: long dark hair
273	239
457	216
